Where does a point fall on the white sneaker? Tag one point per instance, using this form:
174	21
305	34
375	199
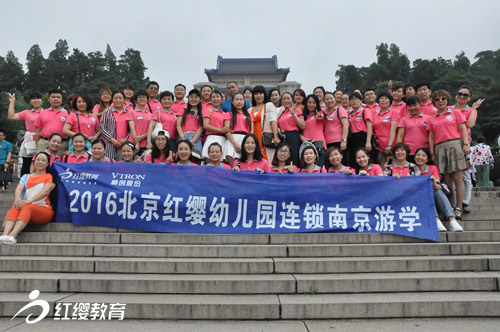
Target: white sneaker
455	226
440	225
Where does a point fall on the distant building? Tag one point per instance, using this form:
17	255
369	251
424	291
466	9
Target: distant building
249	72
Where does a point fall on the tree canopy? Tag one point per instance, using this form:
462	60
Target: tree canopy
483	76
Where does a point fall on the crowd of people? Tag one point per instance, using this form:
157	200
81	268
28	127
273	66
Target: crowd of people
407	131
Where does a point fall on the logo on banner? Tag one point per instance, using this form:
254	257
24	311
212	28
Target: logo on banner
80	178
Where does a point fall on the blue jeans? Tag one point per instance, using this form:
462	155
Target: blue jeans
443	204
197	144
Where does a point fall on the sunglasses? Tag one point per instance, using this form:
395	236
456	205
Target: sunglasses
465	95
440	99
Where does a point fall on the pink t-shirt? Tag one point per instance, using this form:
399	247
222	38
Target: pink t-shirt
51	122
333	126
88	123
316	169
445	126
72	159
217	118
206	106
192	123
382	126
416	131
178	108
373	109
241	125
374	169
121	124
256	164
466	112
315	129
168	120
357	120
402	171
129	107
431	170
142	119
221	165
95	110
287	122
29	117
154	105
284	170
400	108
149	158
342	170
428	109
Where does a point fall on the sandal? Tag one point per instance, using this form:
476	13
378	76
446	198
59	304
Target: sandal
3	237
458	213
9	240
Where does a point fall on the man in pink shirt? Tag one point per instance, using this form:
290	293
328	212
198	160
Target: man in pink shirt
179	105
29	117
424	94
370	101
51	121
152	89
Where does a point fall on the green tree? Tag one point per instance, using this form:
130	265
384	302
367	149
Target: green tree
35	62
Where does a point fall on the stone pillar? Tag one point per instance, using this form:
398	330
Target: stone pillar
200	84
288	86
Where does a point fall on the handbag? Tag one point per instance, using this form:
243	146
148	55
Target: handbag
159	127
319	146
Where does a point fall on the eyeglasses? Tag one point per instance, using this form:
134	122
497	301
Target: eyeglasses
142	97
283	151
440	99
465	95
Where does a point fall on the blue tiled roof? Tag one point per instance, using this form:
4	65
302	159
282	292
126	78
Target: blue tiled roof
250	66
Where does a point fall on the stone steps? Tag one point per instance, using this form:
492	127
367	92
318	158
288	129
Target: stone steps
249	251
250	265
285	306
328	283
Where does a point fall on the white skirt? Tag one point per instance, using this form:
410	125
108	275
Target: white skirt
229	148
213	139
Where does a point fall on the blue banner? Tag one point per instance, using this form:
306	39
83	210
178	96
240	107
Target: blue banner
198	199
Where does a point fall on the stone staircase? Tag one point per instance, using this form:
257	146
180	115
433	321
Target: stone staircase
255	277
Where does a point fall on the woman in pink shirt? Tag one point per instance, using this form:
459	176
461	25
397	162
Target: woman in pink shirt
449	144
190	124
99	152
215	123
364	165
360	124
299	99
82	121
319	91
385	124
129	91
338	97
333	162
29	117
290	122
242	124
398	103
128	153
427	167
166	116
79	152
251	157
309	159
161	153
337	123
114	126
215	156
206	91
139	120
184	153
281	161
315	124
104	102
399	166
